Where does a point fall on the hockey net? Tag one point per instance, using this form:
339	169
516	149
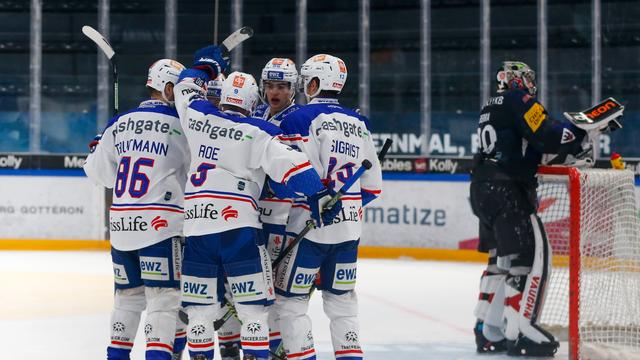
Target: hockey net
593	293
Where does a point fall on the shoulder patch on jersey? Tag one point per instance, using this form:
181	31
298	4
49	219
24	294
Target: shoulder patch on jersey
567	136
535	116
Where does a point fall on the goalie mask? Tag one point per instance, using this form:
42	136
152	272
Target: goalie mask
240	89
161	73
516	75
279	69
330	71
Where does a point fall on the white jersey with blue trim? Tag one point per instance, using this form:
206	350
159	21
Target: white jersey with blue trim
336	140
230	158
262	111
142	156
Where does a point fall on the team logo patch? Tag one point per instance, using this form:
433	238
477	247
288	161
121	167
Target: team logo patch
238	81
229	212
535	116
567	136
344	277
278	61
154	268
320	57
120	274
159	223
118	327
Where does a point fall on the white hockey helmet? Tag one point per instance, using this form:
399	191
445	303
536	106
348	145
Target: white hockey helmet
162	72
241	90
280	69
330	71
214	87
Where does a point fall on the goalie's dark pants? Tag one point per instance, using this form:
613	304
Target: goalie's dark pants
504	209
509	224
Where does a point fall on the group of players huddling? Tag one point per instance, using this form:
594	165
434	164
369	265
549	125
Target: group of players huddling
209	187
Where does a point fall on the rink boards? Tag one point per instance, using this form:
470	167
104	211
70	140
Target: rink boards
419	215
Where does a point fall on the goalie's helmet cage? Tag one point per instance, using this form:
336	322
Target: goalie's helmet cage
214	87
516	75
330	71
162	72
241	90
279	69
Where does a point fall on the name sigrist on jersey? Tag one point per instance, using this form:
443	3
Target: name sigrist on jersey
535	116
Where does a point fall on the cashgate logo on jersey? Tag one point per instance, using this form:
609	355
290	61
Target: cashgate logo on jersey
154	268
344	277
246	288
199	290
303	279
120	274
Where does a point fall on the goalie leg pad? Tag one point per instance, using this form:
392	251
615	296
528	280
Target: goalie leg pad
125	318
160	323
342	311
524	297
295	326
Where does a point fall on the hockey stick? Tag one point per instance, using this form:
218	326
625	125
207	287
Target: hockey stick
106	48
235	39
366	164
381	156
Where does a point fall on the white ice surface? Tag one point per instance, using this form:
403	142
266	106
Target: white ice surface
56	305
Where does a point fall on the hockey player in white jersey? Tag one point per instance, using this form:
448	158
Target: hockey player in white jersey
141	155
337	140
231	156
278	90
278	84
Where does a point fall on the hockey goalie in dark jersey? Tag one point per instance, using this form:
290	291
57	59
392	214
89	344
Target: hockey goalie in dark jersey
515	132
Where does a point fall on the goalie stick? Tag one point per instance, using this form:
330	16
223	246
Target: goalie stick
106	48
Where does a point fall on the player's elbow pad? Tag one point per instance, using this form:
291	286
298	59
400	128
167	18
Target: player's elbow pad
306	182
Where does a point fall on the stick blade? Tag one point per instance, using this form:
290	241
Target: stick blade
237	38
97	38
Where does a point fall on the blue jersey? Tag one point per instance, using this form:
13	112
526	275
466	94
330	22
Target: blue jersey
262	112
515	131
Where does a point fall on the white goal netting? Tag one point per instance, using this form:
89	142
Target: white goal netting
595	210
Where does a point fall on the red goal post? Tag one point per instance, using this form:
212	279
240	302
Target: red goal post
593	291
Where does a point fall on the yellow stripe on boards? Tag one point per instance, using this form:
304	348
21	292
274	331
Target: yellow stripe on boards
380	252
49	244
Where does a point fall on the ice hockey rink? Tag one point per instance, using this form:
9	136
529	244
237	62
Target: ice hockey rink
56	305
